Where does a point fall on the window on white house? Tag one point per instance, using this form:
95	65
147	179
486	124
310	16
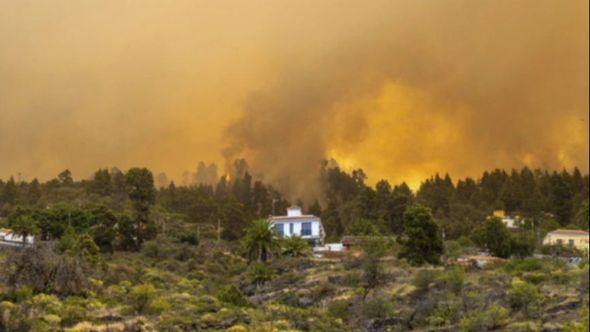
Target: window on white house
291	226
305	228
571	242
279	229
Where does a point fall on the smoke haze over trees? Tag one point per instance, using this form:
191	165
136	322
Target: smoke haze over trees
402	89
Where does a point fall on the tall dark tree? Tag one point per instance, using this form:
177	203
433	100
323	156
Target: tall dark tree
101	183
561	198
140	184
495	237
65	178
10	192
34	192
421	239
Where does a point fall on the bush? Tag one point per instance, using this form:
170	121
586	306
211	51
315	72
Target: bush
446	313
523	296
523	244
157	306
362	227
378	307
424	278
453	249
525	265
141	295
232	295
339	309
493	318
190	238
453	279
295	246
259	273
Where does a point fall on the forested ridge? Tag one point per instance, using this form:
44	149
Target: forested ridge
550	199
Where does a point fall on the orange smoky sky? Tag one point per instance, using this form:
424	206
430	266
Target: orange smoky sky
402	89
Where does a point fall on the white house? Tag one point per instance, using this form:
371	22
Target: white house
9	239
308	227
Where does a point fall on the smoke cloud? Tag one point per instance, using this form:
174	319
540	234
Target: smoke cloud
407	89
402	89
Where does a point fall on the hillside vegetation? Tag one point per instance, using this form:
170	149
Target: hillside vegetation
115	253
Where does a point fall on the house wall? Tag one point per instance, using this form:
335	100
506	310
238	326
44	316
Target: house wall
580	242
315	228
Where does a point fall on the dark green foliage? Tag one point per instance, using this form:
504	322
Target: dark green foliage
495	237
295	246
582	218
522	244
190	238
421	240
361	227
24	225
140	184
378	307
561	198
260	242
259	273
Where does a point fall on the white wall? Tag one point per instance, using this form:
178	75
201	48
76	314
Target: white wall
315	228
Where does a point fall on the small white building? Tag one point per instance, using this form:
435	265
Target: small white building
9	239
295	223
512	222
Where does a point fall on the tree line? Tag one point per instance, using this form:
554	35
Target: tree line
123	209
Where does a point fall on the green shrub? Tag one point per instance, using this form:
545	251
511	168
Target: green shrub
581	326
157	306
190	238
295	246
525	265
232	295
465	242
454	279
259	273
424	278
339	309
378	307
23	293
493	318
141	295
446	313
453	249
523	296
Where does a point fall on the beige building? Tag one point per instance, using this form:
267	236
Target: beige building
568	237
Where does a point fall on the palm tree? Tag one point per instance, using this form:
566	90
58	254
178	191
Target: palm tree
24	225
295	246
260	241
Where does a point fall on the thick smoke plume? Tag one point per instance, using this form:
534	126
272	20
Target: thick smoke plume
411	88
402	89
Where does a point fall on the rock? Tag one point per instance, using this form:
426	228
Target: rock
552	326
